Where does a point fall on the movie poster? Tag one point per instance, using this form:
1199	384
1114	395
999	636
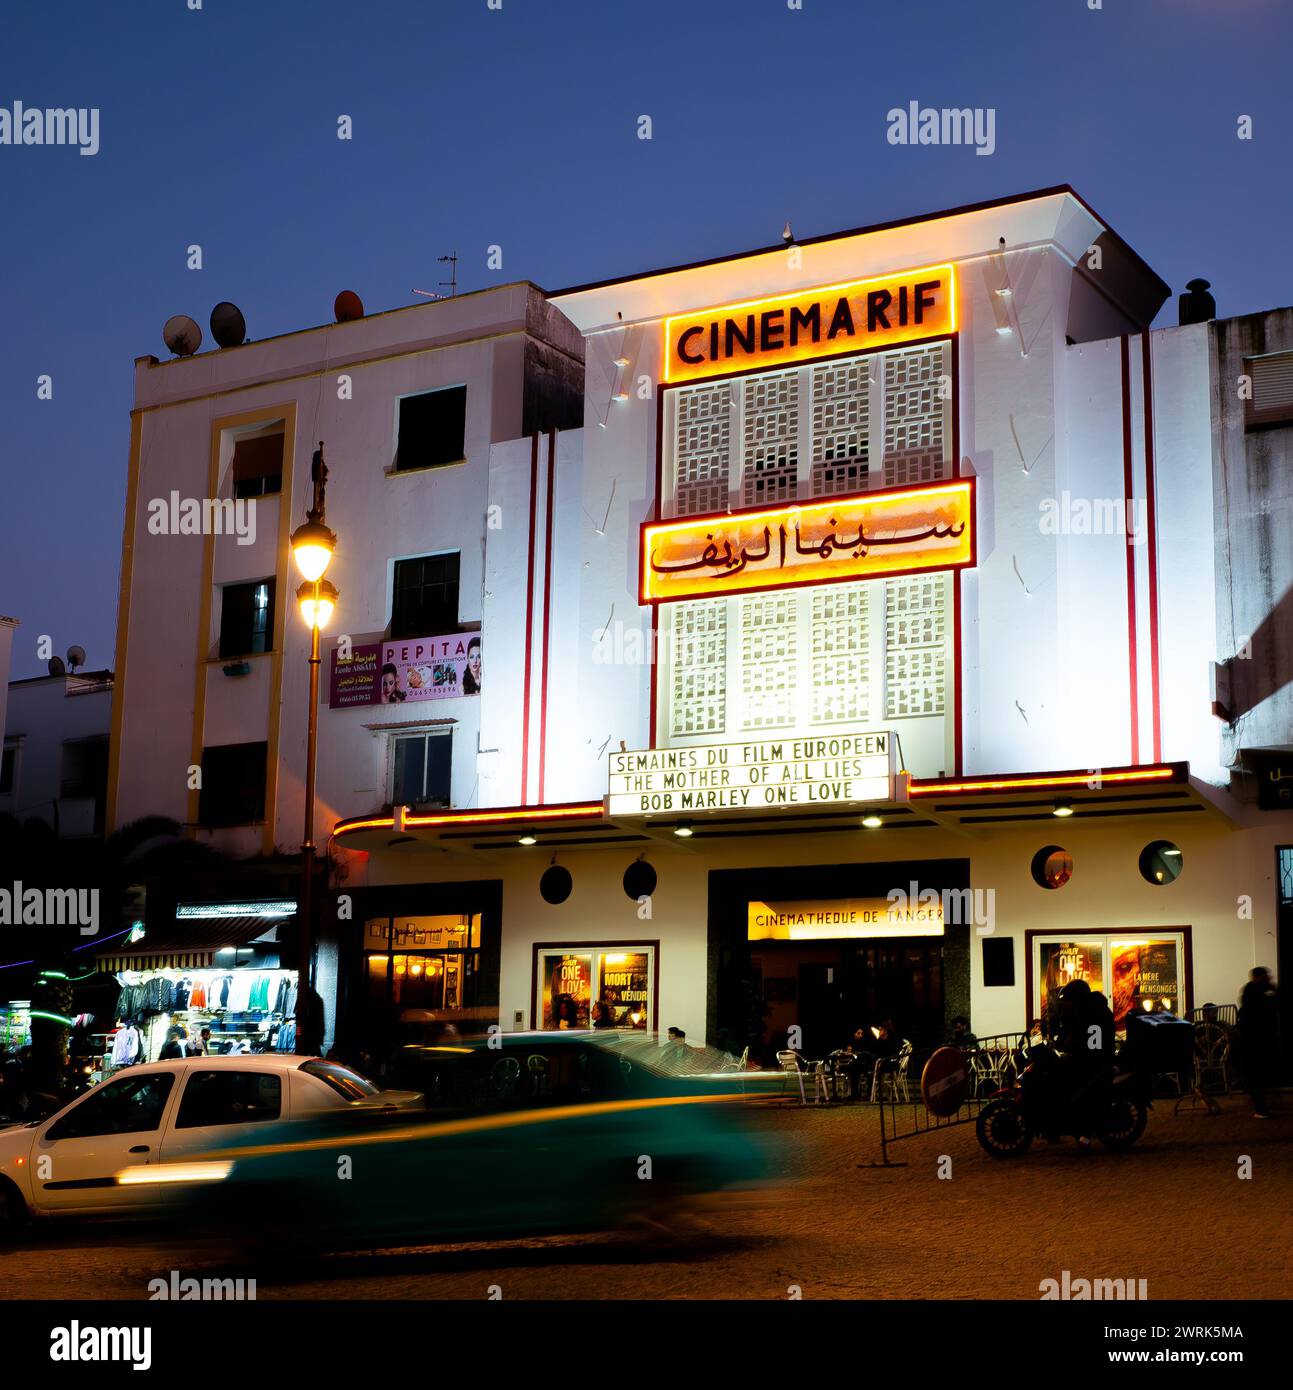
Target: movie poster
567	990
1146	978
624	993
1063	962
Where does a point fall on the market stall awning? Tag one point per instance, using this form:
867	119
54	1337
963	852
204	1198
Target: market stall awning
187	945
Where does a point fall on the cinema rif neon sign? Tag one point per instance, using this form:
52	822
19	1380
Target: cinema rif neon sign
790	328
900	531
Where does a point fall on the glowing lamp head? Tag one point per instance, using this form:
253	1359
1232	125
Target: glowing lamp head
872	822
683	830
313	546
1063	807
317	609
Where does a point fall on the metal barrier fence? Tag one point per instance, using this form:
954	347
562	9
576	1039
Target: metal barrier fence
992	1064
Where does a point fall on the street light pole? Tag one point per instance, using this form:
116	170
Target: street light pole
305	975
313	546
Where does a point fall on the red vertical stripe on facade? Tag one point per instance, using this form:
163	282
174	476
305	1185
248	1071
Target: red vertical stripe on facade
1127	487
1151	542
547	609
529	623
958	751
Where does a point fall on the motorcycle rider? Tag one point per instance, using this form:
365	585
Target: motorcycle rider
1083	1057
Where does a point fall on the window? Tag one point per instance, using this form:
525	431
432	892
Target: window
258	462
1137	973
132	1105
425	598
424	962
345	1082
85	767
233	785
420	766
247	618
8	769
432	429
229	1098
597	986
1272	391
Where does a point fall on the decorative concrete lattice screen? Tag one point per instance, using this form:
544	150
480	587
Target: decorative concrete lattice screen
915	637
770	439
703	449
915	418
841	417
769	660
698	691
841	641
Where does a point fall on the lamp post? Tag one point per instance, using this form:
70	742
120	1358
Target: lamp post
313	546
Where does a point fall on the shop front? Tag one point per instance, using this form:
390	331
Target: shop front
422	960
211	984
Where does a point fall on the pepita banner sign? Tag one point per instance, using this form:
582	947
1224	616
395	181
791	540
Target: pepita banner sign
824	770
900	531
825	322
853	919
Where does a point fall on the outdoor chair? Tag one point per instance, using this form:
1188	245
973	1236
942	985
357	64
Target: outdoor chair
793	1065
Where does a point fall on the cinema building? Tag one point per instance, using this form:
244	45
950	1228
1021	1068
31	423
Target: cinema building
891	630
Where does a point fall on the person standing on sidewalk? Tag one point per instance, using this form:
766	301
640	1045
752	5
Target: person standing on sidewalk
1258	1036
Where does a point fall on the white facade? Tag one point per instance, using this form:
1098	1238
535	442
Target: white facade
56	739
1067	646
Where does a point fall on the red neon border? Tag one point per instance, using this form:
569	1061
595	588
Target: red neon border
529	621
1151	540
1041	781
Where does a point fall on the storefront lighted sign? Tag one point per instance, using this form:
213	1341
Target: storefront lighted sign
825	770
901	531
789	328
852	919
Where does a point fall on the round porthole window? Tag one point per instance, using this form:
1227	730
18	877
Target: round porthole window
556	883
1160	862
639	880
1052	867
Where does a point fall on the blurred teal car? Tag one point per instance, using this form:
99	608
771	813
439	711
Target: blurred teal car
536	1134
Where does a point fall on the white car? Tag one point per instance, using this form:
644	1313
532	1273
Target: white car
79	1162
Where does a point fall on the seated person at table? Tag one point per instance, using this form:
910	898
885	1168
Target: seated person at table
961	1035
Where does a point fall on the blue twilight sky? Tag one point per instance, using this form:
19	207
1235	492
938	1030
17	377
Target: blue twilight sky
518	126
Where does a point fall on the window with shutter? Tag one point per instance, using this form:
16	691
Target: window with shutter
1272	394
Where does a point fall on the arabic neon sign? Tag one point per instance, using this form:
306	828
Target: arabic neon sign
902	531
789	328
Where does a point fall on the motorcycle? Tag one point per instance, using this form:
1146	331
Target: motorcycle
1112	1107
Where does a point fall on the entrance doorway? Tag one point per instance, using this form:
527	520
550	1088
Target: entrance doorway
829	988
764	980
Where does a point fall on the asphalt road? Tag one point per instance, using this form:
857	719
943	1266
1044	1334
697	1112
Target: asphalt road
1174	1211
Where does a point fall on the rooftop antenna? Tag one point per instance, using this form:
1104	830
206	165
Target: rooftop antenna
451	260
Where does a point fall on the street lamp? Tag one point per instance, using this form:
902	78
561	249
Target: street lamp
313	546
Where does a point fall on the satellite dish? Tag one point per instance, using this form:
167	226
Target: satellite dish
348	306
75	657
228	327
182	335
56	667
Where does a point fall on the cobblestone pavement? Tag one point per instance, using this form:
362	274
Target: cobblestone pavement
1173	1211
